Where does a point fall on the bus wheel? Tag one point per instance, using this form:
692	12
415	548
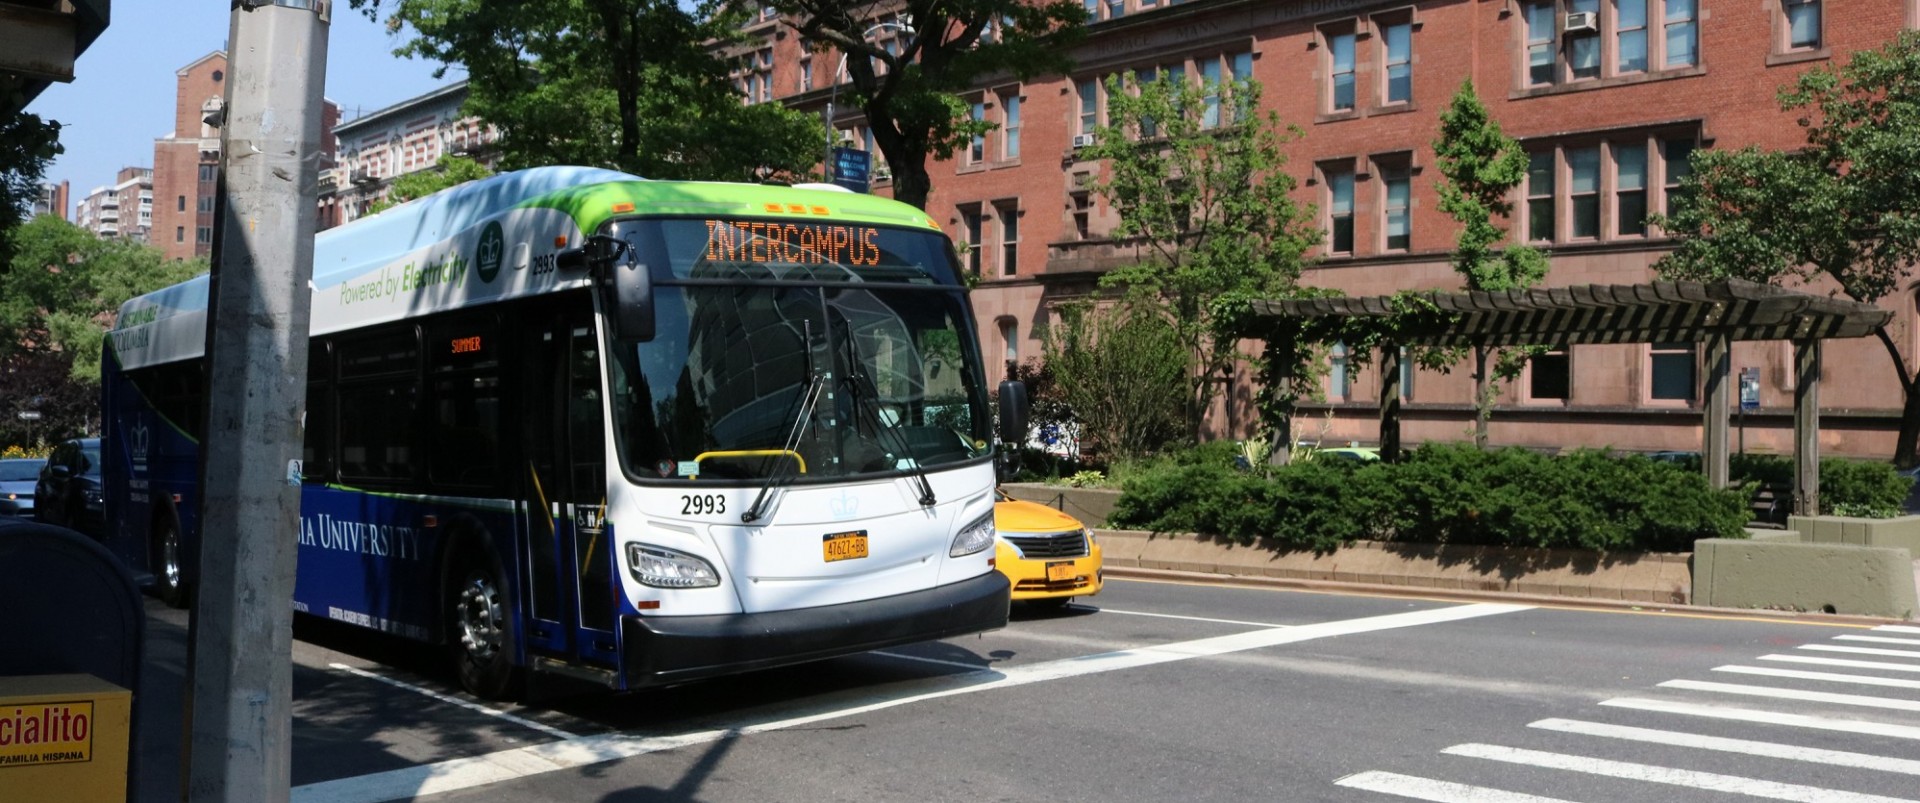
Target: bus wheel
479	631
168	584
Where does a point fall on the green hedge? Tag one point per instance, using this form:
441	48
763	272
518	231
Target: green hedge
1443	494
1847	487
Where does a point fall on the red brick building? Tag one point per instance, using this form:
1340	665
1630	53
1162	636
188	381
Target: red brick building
186	162
1607	96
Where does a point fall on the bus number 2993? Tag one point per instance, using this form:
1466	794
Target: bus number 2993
702	504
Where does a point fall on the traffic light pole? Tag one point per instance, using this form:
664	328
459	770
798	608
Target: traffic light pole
240	745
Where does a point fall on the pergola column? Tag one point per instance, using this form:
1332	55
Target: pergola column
1713	451
1389	402
1282	350
1806	427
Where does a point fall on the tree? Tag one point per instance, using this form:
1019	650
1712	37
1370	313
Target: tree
27	144
1199	181
633	85
449	171
1845	207
912	95
1122	372
1479	167
57	300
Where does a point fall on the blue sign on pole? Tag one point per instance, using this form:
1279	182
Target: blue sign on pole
851	167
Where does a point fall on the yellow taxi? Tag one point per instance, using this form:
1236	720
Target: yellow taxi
1048	556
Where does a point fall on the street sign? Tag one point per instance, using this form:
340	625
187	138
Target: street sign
851	167
28	415
1749	388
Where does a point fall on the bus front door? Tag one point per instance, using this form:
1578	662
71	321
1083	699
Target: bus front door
572	603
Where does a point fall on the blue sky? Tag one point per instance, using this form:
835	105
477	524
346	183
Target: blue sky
121	98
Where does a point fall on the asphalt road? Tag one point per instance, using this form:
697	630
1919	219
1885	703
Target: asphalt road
1154	692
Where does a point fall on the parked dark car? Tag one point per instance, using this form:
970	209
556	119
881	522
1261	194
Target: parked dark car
69	491
17	478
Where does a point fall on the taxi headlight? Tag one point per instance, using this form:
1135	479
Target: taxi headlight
668	568
974	537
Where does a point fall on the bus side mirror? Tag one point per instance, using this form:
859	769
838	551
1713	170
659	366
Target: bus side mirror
626	285
1013	413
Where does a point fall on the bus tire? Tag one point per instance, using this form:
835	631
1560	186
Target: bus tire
478	629
165	558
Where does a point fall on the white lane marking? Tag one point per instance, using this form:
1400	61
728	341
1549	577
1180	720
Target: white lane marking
1911	642
1803	659
1665	775
1767	717
1861	650
1190	618
1837	677
1795	694
1897	629
1815	755
1391	783
467	773
941	661
470	706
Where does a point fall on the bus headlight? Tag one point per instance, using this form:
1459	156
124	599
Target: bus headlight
973	537
667	568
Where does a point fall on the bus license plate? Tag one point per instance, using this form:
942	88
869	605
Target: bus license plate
844	546
1059	570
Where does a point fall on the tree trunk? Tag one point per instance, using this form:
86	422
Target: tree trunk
1904	445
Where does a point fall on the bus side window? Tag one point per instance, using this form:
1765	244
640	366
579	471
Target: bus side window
316	449
465	420
379	389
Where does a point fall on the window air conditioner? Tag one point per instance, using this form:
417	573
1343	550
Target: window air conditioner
1082	140
1581	22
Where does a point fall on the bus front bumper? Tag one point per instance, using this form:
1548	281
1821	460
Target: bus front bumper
664	650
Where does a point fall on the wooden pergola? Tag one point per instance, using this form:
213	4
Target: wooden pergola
1714	314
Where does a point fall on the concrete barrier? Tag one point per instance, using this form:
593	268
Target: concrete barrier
1896	533
1091	506
1830	577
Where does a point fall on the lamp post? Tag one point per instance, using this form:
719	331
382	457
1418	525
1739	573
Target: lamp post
834	94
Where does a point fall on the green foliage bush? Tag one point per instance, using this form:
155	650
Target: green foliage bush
1442	494
1847	487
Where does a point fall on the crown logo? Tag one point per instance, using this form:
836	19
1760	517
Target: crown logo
844	506
490	251
138	440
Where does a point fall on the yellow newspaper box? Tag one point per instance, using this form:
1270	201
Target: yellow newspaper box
63	738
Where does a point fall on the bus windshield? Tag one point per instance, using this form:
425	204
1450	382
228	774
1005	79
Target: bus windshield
786	364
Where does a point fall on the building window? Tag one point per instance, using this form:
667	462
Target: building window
977	152
1549	376
1211	85
1009	238
1397	43
1630	189
1089	106
1010	124
1242	65
179	234
970	220
1670	372
1340	71
1082	214
1339	209
1541	22
1682	37
1540	174
1583	46
1009	340
1397	188
1802	24
806	74
1630	35
183	204
203	234
1583	190
1676	153
1339	379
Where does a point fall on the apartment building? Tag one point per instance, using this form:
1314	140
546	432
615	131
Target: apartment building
406	137
52	199
1607	96
122	209
186	162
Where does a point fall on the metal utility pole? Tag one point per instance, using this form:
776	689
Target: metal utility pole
240	659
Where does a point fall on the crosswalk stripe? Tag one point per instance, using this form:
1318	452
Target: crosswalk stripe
1795	694
1804	659
1861	650
1665	775
1897	629
1767	717
1439	791
1815	755
1911	642
1864	680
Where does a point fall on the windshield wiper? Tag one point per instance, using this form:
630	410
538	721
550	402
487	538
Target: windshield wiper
809	397
866	400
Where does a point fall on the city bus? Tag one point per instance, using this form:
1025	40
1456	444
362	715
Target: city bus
565	420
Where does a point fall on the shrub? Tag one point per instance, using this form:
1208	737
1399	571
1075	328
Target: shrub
1862	488
1443	494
